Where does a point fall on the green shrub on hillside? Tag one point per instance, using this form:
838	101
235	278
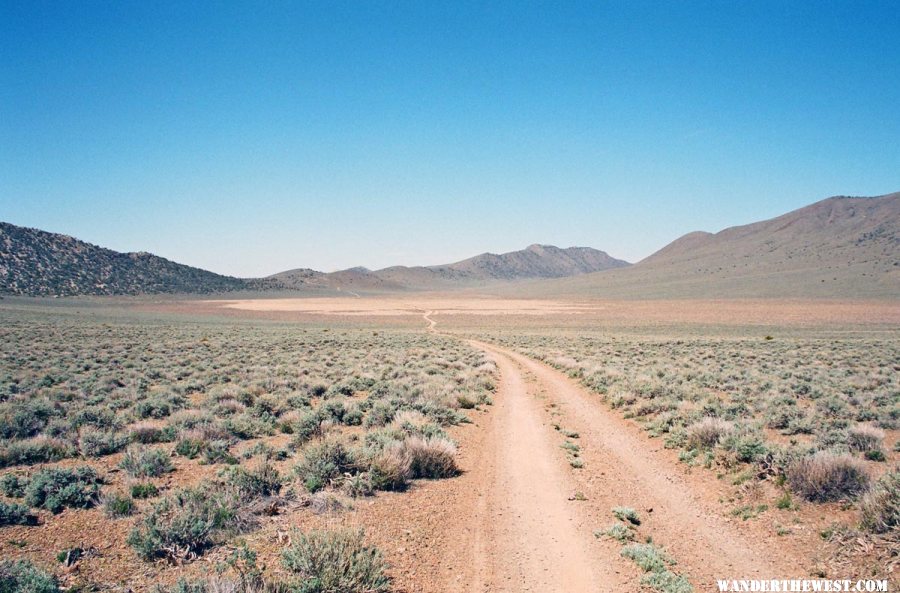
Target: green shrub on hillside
55	489
21	576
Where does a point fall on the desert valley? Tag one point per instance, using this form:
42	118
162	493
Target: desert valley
543	420
408	296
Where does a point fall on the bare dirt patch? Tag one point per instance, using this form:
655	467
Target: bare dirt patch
729	312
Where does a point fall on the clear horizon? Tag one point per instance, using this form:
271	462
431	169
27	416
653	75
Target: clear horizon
249	142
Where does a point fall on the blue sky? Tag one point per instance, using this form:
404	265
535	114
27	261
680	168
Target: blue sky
249	138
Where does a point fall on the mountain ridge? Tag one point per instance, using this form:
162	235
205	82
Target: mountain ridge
838	247
39	263
34	262
535	261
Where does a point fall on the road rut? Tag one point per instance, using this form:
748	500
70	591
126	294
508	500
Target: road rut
526	533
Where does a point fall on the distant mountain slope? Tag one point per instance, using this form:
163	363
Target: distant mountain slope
38	263
536	261
352	280
840	247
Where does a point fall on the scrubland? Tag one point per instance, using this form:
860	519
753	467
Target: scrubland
804	427
133	449
147	446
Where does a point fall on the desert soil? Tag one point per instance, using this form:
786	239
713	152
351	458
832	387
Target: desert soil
560	312
521	519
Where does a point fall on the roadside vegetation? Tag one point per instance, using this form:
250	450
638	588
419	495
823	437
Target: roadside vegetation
657	565
192	434
796	426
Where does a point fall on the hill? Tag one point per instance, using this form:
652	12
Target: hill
841	247
536	261
38	263
351	280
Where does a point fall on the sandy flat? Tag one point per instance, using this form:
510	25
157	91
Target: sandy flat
725	312
407	306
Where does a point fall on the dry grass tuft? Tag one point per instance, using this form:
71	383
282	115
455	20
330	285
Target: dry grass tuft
707	433
827	477
865	437
390	469
880	507
433	457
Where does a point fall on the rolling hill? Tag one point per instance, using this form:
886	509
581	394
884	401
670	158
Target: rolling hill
841	247
38	263
536	261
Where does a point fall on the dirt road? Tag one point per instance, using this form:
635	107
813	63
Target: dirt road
530	532
527	530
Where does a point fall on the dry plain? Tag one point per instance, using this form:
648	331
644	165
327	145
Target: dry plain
571	445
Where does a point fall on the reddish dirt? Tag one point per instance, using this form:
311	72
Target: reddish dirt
531	534
537	538
511	522
477	311
624	468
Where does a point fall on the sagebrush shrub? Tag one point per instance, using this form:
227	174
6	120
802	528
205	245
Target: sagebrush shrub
647	556
627	514
184	524
21	576
218	452
156	407
618	532
322	463
189	446
667	582
55	489
250	484
359	485
308	427
15	514
195	440
335	561
13	485
147	434
251	583
140	462
97	443
381	414
353	416
782	412
656	564
99	418
747	448
245	426
23	419
35	450
118	505
144	490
